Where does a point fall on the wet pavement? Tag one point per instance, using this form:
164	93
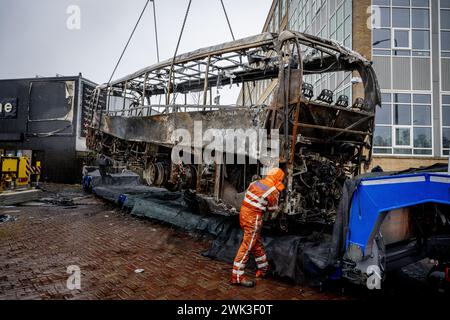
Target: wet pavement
118	256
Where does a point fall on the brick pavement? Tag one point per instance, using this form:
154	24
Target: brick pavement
109	245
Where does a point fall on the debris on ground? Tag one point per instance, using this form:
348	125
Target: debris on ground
6	217
13	197
58	201
11	211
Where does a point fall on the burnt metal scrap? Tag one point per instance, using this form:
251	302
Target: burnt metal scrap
323	139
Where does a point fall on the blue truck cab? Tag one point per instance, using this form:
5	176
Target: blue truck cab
396	220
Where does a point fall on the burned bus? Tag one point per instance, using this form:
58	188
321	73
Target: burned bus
321	138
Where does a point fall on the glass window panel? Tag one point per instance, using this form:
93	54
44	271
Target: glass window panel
333	36
422	115
404	3
348	26
421	39
340	15
445	40
381	2
382	150
445	4
401	39
402	114
385	17
332	4
382	52
333	24
400	18
382	137
420	18
348	7
401	53
402	98
446	152
382	38
402	136
446	116
422	138
423	152
348	92
348	42
445	19
340	33
445	99
421	53
383	114
446	137
422	98
420	3
386	97
403	151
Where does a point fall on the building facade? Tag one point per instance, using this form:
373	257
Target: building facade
409	44
45	119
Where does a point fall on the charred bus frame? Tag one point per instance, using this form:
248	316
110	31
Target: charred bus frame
322	142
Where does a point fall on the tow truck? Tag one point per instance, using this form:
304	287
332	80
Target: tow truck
394	221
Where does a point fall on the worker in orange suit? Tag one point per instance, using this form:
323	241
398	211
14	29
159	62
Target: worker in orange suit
261	197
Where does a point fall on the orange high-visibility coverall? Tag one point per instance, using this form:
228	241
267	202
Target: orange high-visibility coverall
261	196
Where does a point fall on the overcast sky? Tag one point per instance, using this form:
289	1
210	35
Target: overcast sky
35	39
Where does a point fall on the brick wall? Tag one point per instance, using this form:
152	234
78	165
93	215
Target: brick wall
401	163
362	37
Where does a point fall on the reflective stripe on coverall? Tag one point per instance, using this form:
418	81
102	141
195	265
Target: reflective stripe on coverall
260	197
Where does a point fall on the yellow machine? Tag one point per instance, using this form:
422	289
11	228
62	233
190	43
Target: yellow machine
18	172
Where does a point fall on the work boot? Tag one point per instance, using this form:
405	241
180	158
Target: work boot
262	274
243	282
